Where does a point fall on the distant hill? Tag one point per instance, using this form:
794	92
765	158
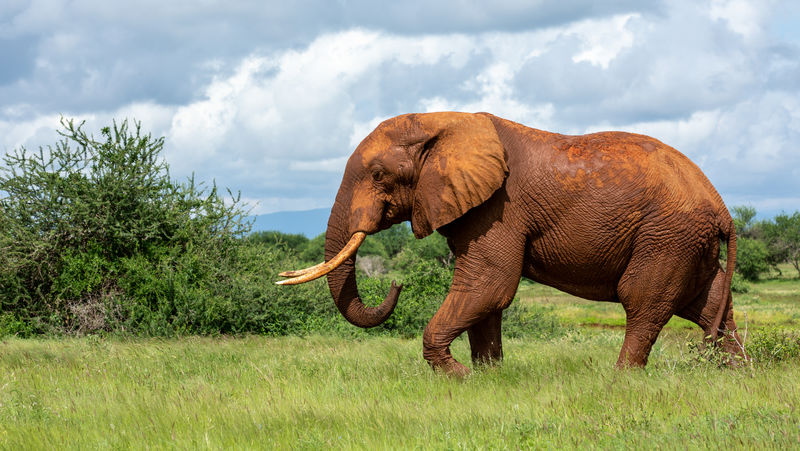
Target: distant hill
308	222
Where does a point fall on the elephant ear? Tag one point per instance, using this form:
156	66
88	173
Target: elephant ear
463	164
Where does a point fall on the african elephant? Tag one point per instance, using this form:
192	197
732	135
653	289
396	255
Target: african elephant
610	216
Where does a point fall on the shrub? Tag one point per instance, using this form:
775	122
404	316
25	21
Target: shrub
294	241
738	284
425	286
773	345
94	230
521	320
430	248
751	258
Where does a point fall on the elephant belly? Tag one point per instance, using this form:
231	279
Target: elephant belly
587	271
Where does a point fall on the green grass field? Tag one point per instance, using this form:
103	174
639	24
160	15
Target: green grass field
378	393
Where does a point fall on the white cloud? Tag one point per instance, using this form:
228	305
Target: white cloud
745	17
602	39
335	165
277	117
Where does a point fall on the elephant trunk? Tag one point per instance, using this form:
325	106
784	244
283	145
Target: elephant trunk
342	279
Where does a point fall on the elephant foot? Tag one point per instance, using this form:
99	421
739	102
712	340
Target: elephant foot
452	368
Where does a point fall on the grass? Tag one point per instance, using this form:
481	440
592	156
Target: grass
378	393
309	393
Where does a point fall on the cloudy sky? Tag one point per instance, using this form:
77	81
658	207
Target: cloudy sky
270	98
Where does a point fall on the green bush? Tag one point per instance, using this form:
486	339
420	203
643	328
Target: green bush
293	241
11	325
431	248
314	250
531	321
751	258
96	233
773	345
425	284
738	284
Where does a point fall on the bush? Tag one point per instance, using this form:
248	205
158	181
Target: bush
531	321
773	345
425	286
738	284
430	248
293	241
751	258
96	233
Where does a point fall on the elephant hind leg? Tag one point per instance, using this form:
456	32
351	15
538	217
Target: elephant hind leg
703	310
640	335
649	290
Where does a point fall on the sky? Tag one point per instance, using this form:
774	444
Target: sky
270	98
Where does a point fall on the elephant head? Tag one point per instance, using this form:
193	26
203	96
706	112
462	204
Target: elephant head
427	168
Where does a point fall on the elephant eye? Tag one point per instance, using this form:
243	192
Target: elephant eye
377	175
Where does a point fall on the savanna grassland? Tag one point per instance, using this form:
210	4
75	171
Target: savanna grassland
377	392
139	311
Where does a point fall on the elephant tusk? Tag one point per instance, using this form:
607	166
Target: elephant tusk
300	272
317	271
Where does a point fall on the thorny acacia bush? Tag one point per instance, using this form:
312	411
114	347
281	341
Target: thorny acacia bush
94	234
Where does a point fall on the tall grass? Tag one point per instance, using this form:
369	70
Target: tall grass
377	392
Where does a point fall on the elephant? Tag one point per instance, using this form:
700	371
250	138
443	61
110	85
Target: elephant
609	216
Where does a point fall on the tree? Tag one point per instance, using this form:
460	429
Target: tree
294	241
751	258
395	238
743	217
752	255
314	250
782	236
433	248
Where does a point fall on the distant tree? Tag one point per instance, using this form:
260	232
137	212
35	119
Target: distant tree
395	238
782	236
294	241
314	249
743	219
751	258
752	255
372	246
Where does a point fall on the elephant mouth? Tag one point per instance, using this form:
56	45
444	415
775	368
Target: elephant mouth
321	269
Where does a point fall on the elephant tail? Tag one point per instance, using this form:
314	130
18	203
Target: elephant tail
727	299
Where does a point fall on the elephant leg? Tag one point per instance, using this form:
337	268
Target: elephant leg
703	310
487	271
485	340
459	312
650	291
475	306
640	334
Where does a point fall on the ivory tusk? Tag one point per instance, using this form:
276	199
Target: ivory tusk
300	272
317	271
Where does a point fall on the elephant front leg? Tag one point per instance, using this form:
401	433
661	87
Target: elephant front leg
485	340
458	312
479	313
